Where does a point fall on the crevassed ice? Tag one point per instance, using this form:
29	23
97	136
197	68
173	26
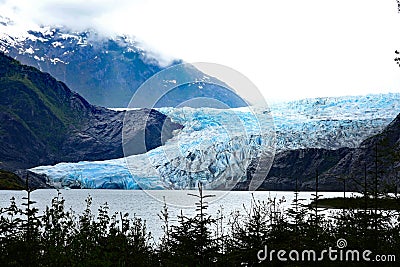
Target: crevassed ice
212	147
216	146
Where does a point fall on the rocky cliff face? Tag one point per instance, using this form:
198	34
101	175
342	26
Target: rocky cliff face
303	165
44	122
376	159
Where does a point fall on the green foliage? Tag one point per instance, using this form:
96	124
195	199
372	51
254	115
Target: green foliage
60	237
38	114
359	202
191	241
10	181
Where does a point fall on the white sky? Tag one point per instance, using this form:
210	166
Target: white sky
289	48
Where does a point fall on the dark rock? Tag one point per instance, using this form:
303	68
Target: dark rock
377	159
303	165
35	181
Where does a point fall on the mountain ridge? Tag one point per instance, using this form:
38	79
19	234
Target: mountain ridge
44	122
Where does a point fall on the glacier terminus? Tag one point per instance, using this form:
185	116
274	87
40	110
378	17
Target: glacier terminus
216	146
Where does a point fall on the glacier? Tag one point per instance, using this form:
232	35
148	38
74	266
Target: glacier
217	145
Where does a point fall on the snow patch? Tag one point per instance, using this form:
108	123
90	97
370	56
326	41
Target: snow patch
57	44
56	60
29	51
38	58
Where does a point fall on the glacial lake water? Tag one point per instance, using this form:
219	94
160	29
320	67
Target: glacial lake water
148	204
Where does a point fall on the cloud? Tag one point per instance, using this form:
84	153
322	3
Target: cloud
75	14
289	49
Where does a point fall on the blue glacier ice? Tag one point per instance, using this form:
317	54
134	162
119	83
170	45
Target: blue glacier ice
216	146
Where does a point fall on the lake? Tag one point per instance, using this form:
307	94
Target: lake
148	204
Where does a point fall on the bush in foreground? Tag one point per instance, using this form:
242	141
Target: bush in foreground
60	237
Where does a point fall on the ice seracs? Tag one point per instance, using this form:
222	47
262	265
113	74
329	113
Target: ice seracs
216	146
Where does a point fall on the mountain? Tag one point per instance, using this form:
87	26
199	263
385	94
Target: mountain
44	122
106	71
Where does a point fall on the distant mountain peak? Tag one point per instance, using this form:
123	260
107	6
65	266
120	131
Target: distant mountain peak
106	70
